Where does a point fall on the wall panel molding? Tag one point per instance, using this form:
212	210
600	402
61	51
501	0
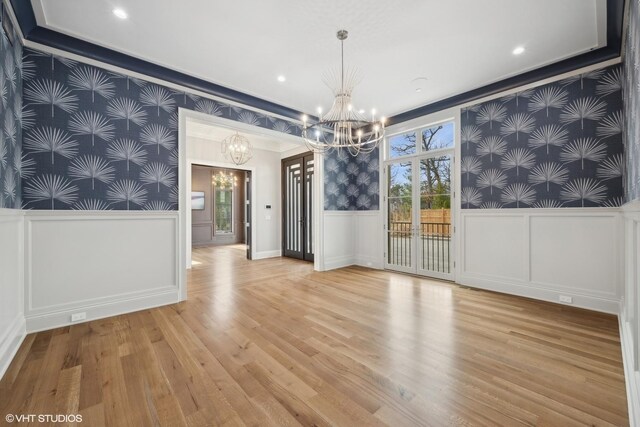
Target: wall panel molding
10	342
99	263
631	373
545	253
12	321
369	239
338	235
630	308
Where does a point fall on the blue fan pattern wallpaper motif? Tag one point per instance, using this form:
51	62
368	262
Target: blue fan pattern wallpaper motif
351	183
98	140
11	162
632	101
557	145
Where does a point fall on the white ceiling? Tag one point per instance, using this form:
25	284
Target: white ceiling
260	141
457	45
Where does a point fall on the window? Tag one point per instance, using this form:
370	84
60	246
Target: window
438	137
435	137
223	209
402	145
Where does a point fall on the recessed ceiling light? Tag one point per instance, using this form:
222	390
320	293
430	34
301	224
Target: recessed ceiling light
120	13
418	89
518	51
361	111
282	78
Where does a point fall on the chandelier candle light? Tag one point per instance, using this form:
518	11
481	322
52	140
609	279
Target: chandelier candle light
343	126
237	148
223	180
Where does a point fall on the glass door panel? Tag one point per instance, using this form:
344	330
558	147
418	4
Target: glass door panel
434	217
400	225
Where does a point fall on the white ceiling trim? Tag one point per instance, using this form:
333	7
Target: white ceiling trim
266	139
393	42
125	71
452	112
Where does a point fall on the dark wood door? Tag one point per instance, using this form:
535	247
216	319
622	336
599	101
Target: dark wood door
297	206
247	215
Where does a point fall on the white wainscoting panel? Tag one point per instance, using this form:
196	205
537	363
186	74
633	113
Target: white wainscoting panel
545	253
569	253
630	309
494	246
100	263
339	243
369	239
12	322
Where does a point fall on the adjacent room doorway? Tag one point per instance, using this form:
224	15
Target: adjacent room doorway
219	201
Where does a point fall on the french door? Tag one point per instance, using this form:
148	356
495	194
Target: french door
418	220
297	199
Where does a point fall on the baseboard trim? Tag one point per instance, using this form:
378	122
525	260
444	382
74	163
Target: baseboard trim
605	305
338	262
11	342
370	262
45	321
631	376
266	254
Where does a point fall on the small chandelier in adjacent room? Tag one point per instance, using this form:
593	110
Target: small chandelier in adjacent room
224	180
343	126
237	148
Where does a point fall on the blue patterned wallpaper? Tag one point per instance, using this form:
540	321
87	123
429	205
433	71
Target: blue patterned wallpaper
632	102
98	140
12	165
557	145
351	183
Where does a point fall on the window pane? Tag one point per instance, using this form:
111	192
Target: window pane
402	145
400	180
436	137
435	176
224	211
400	197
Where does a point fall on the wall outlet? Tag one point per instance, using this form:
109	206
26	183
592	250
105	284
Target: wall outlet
565	299
76	317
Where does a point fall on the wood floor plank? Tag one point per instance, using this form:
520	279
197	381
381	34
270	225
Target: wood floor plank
117	408
68	391
271	342
43	401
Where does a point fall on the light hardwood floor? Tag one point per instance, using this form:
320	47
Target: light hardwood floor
271	342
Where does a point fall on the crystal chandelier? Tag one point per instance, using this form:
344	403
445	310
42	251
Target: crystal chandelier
343	126
237	148
223	180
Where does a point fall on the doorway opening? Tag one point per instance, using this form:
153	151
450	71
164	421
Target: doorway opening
200	137
219	199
